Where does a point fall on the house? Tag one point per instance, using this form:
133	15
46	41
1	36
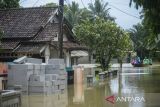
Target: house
34	32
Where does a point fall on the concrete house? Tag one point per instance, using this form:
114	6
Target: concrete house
34	32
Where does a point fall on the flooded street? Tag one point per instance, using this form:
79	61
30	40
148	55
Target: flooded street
132	82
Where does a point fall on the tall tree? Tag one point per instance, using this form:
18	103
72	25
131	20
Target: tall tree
140	35
100	9
73	13
104	38
151	10
4	4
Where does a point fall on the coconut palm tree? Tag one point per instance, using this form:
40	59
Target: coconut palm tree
138	34
72	13
141	37
100	9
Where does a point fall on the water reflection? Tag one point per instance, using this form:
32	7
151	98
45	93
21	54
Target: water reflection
78	93
139	82
56	100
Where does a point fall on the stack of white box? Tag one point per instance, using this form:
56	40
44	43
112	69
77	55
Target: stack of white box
55	72
37	84
18	74
37	77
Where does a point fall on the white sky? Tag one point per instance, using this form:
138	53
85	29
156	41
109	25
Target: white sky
122	19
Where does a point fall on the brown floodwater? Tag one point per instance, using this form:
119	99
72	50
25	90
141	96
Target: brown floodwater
141	83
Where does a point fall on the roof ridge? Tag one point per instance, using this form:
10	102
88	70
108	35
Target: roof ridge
21	8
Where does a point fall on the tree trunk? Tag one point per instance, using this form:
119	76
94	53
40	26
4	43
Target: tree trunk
108	61
120	62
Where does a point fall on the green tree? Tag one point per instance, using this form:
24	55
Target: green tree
73	13
100	9
4	4
142	38
50	5
151	10
104	38
138	34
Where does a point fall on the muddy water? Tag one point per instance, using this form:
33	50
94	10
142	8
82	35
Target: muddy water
141	83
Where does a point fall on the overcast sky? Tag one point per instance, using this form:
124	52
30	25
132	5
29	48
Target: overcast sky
126	16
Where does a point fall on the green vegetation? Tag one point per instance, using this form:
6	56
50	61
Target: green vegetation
73	13
50	5
151	24
104	38
96	29
99	8
5	4
150	13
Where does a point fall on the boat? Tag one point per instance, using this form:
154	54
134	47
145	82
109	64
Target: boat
140	65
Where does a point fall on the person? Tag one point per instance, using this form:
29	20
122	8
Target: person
145	61
133	62
138	60
150	61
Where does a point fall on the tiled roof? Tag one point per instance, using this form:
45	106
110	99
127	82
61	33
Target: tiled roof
48	33
71	45
31	25
29	48
8	44
23	22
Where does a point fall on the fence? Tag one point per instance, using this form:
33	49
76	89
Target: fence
10	99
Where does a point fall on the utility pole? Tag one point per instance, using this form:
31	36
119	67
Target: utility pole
60	37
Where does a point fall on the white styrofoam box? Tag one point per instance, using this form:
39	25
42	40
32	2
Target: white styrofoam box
50	67
53	82
55	76
43	66
30	66
18	77
48	77
48	83
19	66
37	78
56	87
42	72
39	83
37	89
56	61
58	82
53	89
34	60
62	82
62	73
55	66
62	77
62	87
37	72
36	83
37	66
52	71
62	66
